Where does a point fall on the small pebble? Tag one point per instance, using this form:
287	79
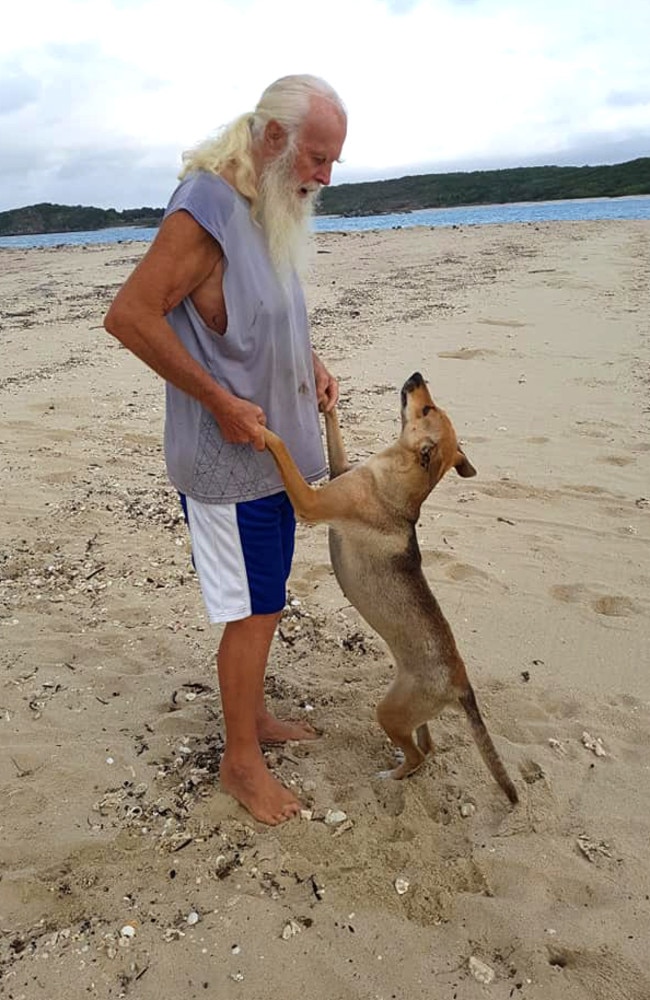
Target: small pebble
128	931
467	809
335	816
595	744
482	972
193	917
290	930
343	828
402	885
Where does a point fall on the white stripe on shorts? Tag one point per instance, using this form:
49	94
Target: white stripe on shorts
219	560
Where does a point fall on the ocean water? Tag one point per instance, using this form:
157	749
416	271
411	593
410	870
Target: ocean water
576	210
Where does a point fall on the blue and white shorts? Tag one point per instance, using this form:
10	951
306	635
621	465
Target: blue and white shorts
242	554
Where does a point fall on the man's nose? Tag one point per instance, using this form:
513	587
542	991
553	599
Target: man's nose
324	174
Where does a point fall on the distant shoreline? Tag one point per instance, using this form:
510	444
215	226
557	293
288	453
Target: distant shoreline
405	195
535	213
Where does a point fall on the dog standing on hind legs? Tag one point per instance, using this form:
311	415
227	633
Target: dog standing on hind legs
372	509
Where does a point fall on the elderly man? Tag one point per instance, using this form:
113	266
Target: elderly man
216	308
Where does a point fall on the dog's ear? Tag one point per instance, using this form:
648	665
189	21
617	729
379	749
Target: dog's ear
463	465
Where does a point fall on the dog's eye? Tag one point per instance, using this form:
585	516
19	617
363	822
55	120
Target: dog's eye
427	409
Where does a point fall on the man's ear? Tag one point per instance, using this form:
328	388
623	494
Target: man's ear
463	465
275	137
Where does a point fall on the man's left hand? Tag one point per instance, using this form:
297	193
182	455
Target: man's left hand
327	388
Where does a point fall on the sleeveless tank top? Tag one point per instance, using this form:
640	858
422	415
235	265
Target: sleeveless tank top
264	356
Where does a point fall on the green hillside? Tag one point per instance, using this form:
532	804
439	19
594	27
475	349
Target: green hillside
487	187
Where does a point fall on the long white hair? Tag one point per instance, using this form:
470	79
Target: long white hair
286	101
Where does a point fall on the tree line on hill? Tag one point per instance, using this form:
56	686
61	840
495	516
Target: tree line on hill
487	187
47	218
403	194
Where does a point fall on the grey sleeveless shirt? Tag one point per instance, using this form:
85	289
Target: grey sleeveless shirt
264	356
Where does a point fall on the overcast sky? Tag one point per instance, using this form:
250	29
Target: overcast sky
98	98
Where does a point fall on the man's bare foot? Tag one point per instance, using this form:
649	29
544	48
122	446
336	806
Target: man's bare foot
253	785
272	730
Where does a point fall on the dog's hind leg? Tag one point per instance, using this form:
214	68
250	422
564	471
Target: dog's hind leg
423	739
397	719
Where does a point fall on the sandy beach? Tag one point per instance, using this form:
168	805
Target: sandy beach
125	872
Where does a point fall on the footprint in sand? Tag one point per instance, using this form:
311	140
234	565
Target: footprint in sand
610	605
616	460
434	557
514	323
467	353
462	572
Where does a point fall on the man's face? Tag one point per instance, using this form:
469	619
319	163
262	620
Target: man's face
290	182
318	147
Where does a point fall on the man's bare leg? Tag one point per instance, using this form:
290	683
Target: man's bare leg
241	663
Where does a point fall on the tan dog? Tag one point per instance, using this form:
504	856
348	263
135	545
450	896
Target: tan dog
372	510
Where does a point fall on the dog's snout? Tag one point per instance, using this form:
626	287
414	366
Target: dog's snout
414	382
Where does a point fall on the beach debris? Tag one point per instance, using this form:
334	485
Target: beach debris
192	918
235	950
402	885
290	929
594	743
237	977
173	934
334	816
557	745
521	379
525	675
642	502
343	828
481	972
531	771
593	851
467	809
505	520
307	814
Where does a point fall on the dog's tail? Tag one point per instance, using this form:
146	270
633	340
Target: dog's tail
486	747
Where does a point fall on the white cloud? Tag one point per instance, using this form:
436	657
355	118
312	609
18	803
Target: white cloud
98	98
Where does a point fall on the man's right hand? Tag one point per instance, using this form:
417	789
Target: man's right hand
242	422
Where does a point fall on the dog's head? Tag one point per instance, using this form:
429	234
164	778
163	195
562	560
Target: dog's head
428	432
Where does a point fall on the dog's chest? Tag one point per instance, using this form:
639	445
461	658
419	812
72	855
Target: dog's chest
364	566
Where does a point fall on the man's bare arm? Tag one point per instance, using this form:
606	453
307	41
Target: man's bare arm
181	257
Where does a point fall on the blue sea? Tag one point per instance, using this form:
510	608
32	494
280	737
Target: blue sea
576	210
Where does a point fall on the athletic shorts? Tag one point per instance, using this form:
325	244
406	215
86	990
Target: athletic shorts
242	554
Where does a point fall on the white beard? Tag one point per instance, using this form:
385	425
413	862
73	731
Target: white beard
285	216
